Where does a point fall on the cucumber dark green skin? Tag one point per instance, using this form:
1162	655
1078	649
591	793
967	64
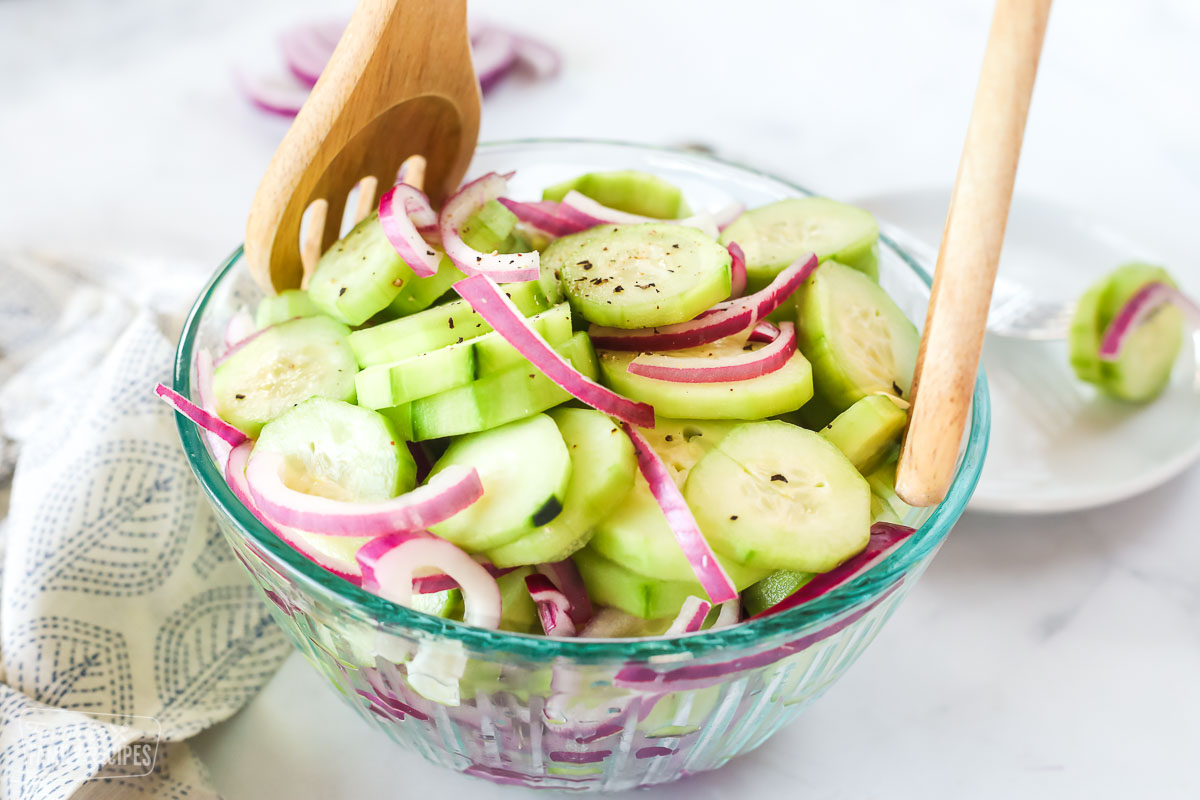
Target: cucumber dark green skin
419	294
774	588
626	190
640	276
867	431
1144	366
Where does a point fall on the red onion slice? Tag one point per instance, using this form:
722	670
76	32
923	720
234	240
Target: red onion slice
690	618
695	547
584	209
723	319
553	607
428	584
498	310
239	328
729	615
447	493
1138	309
501	268
743	366
402	210
541	58
494	53
543	215
390	565
207	421
307	48
885	537
764	332
206	397
566	578
280	95
726	214
737	270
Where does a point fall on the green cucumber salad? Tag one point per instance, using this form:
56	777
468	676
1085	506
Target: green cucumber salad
597	414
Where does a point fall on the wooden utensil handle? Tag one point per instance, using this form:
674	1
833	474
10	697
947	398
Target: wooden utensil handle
966	268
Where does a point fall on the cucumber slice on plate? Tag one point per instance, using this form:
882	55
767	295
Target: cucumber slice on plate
610	584
626	190
775	235
857	338
785	389
282	366
603	464
425	374
639	276
360	275
525	470
288	304
501	397
772	589
436	327
867	431
775	496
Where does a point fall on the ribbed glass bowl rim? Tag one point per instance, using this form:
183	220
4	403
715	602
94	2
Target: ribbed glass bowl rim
865	588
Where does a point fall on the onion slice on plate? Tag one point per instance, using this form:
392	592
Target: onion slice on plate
743	366
885	537
1138	309
491	303
566	578
691	617
723	319
553	607
403	210
447	493
500	267
679	517
207	421
737	270
391	563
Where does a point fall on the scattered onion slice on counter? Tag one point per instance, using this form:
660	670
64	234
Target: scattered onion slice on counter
207	398
1138	309
698	369
737	270
730	614
542	59
282	95
447	493
543	215
885	537
764	332
553	607
402	212
501	267
566	578
491	303
723	319
391	563
679	517
494	53
207	421
691	616
307	48
239	328
428	584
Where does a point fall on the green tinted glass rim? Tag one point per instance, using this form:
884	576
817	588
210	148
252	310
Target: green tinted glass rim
867	587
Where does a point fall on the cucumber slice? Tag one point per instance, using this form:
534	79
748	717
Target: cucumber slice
436	327
501	397
636	537
867	431
419	294
775	496
493	353
772	589
609	584
626	190
603	464
524	467
288	304
881	511
518	612
680	443
785	389
775	235
447	604
1144	367
401	419
882	481
639	276
341	451
360	275
282	366
857	338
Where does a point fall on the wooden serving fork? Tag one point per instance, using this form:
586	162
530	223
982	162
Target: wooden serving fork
400	83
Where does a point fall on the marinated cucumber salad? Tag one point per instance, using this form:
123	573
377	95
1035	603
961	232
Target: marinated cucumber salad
597	414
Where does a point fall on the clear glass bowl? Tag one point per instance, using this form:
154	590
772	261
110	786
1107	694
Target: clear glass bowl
561	713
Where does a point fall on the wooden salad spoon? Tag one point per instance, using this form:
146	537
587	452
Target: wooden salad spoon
970	253
399	83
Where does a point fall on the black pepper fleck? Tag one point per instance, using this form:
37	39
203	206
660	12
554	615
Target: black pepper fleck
240	396
733	516
618	288
451	321
669	438
896	388
341	291
779	477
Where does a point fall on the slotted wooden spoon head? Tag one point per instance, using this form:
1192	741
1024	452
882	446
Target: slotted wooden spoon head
399	83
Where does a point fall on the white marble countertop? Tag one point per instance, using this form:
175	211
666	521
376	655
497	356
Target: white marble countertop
1040	657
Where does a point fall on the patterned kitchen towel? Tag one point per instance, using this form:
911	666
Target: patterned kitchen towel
126	625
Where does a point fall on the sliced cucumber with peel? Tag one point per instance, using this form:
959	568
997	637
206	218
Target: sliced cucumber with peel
282	366
882	481
786	389
360	275
518	612
773	589
867	431
775	496
858	340
626	190
419	294
602	469
288	304
639	276
680	443
525	470
610	584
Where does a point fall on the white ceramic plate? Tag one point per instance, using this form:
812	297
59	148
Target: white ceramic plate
1056	444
